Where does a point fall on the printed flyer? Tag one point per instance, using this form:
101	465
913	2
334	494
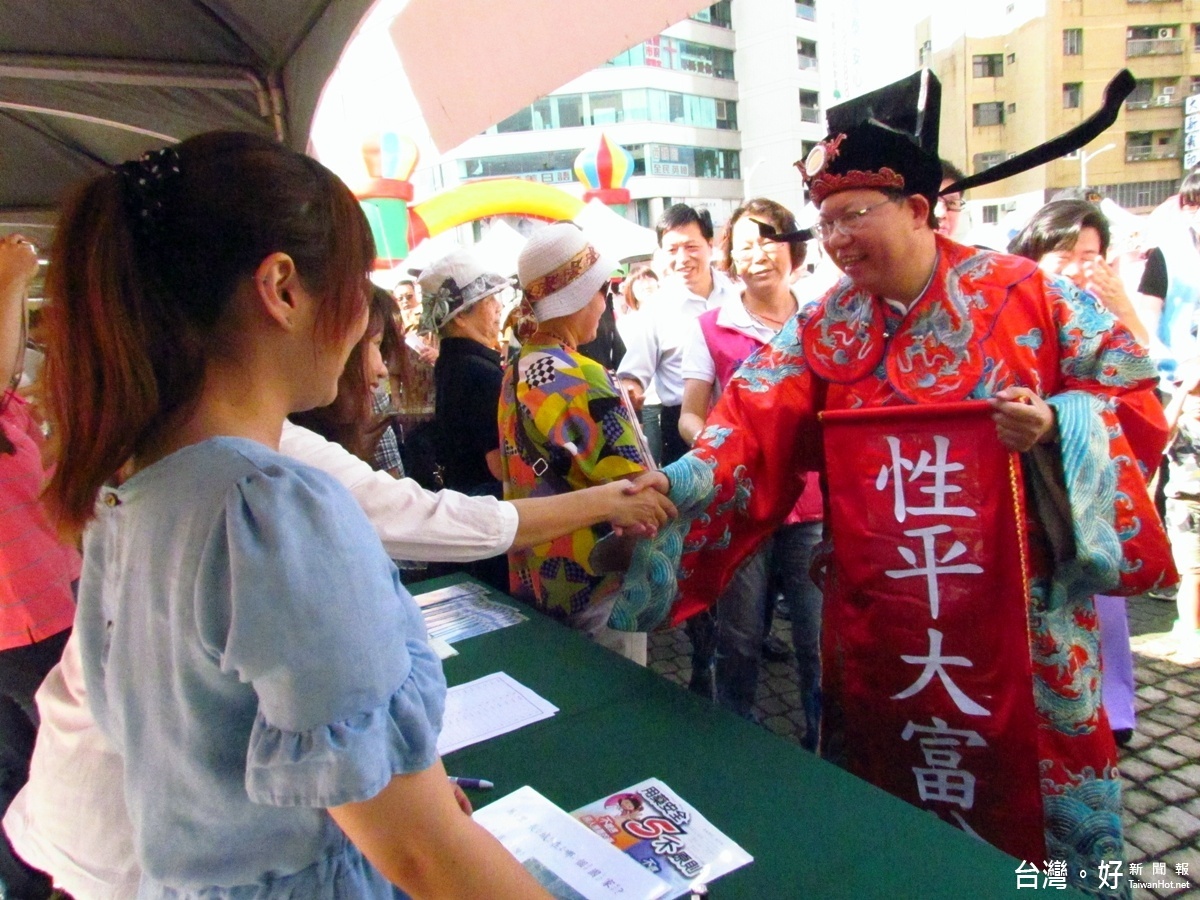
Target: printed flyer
567	860
655	826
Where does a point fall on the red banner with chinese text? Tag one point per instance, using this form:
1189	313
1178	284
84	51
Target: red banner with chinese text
926	638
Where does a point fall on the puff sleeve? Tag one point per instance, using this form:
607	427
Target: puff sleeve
314	619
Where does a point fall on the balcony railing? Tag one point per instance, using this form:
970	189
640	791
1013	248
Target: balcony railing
806	62
1157	151
1154	47
810	114
1162	101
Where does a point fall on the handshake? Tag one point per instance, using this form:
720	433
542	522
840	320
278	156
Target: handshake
639	506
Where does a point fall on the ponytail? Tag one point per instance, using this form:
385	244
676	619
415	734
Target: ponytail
101	394
141	275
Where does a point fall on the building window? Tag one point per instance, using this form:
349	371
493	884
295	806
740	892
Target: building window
1144	194
611	107
1072	41
1194	87
551	167
990	65
983	114
718	14
1153	40
1012	108
1012	58
671	161
1141	146
558	166
1142	96
806	9
1148	92
686	56
806	53
991	214
1073	95
984	161
570	110
810	110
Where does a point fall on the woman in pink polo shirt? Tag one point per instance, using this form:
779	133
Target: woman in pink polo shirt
764	249
36	598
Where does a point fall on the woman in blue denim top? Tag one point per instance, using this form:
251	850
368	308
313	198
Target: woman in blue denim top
246	644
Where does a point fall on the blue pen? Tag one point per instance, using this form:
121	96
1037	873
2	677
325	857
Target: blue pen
474	784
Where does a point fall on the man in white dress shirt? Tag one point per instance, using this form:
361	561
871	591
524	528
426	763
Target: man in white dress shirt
690	286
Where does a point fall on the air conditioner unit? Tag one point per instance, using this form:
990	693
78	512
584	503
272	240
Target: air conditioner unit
1162	100
1165	34
722	113
1010	206
1168	90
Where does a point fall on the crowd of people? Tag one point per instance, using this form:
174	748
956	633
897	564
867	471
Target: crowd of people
254	451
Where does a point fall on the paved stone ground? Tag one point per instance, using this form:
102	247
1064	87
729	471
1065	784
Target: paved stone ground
1160	766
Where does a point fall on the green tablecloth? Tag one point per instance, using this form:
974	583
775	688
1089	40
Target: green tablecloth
813	829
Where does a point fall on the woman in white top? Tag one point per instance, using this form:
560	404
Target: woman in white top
73	820
633	310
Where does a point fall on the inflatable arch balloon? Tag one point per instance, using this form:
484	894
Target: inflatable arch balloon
479	199
398	227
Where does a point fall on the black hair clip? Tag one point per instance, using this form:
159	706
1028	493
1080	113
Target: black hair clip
148	182
768	233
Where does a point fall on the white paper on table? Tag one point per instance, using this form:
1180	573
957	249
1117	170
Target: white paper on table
463	589
486	707
565	857
441	648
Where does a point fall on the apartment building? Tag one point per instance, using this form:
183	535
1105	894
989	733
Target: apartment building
714	109
671	101
1017	72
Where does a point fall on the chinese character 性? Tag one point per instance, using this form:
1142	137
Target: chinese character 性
940	469
933	567
935	664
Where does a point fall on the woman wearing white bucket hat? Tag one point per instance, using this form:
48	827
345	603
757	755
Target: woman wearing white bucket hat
564	427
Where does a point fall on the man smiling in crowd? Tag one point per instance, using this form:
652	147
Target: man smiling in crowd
691	286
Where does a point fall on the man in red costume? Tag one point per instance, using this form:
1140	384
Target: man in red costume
991	676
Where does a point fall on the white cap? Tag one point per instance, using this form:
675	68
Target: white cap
560	271
454	284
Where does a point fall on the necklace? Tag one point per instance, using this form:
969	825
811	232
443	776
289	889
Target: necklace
769	321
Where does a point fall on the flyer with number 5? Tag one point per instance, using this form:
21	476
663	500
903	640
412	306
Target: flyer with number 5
653	825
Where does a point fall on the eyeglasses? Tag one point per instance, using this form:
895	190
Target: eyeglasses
847	223
770	248
953	205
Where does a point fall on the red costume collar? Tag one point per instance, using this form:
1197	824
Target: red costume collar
934	356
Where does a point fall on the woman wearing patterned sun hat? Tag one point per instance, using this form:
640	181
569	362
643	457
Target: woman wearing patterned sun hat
564	427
